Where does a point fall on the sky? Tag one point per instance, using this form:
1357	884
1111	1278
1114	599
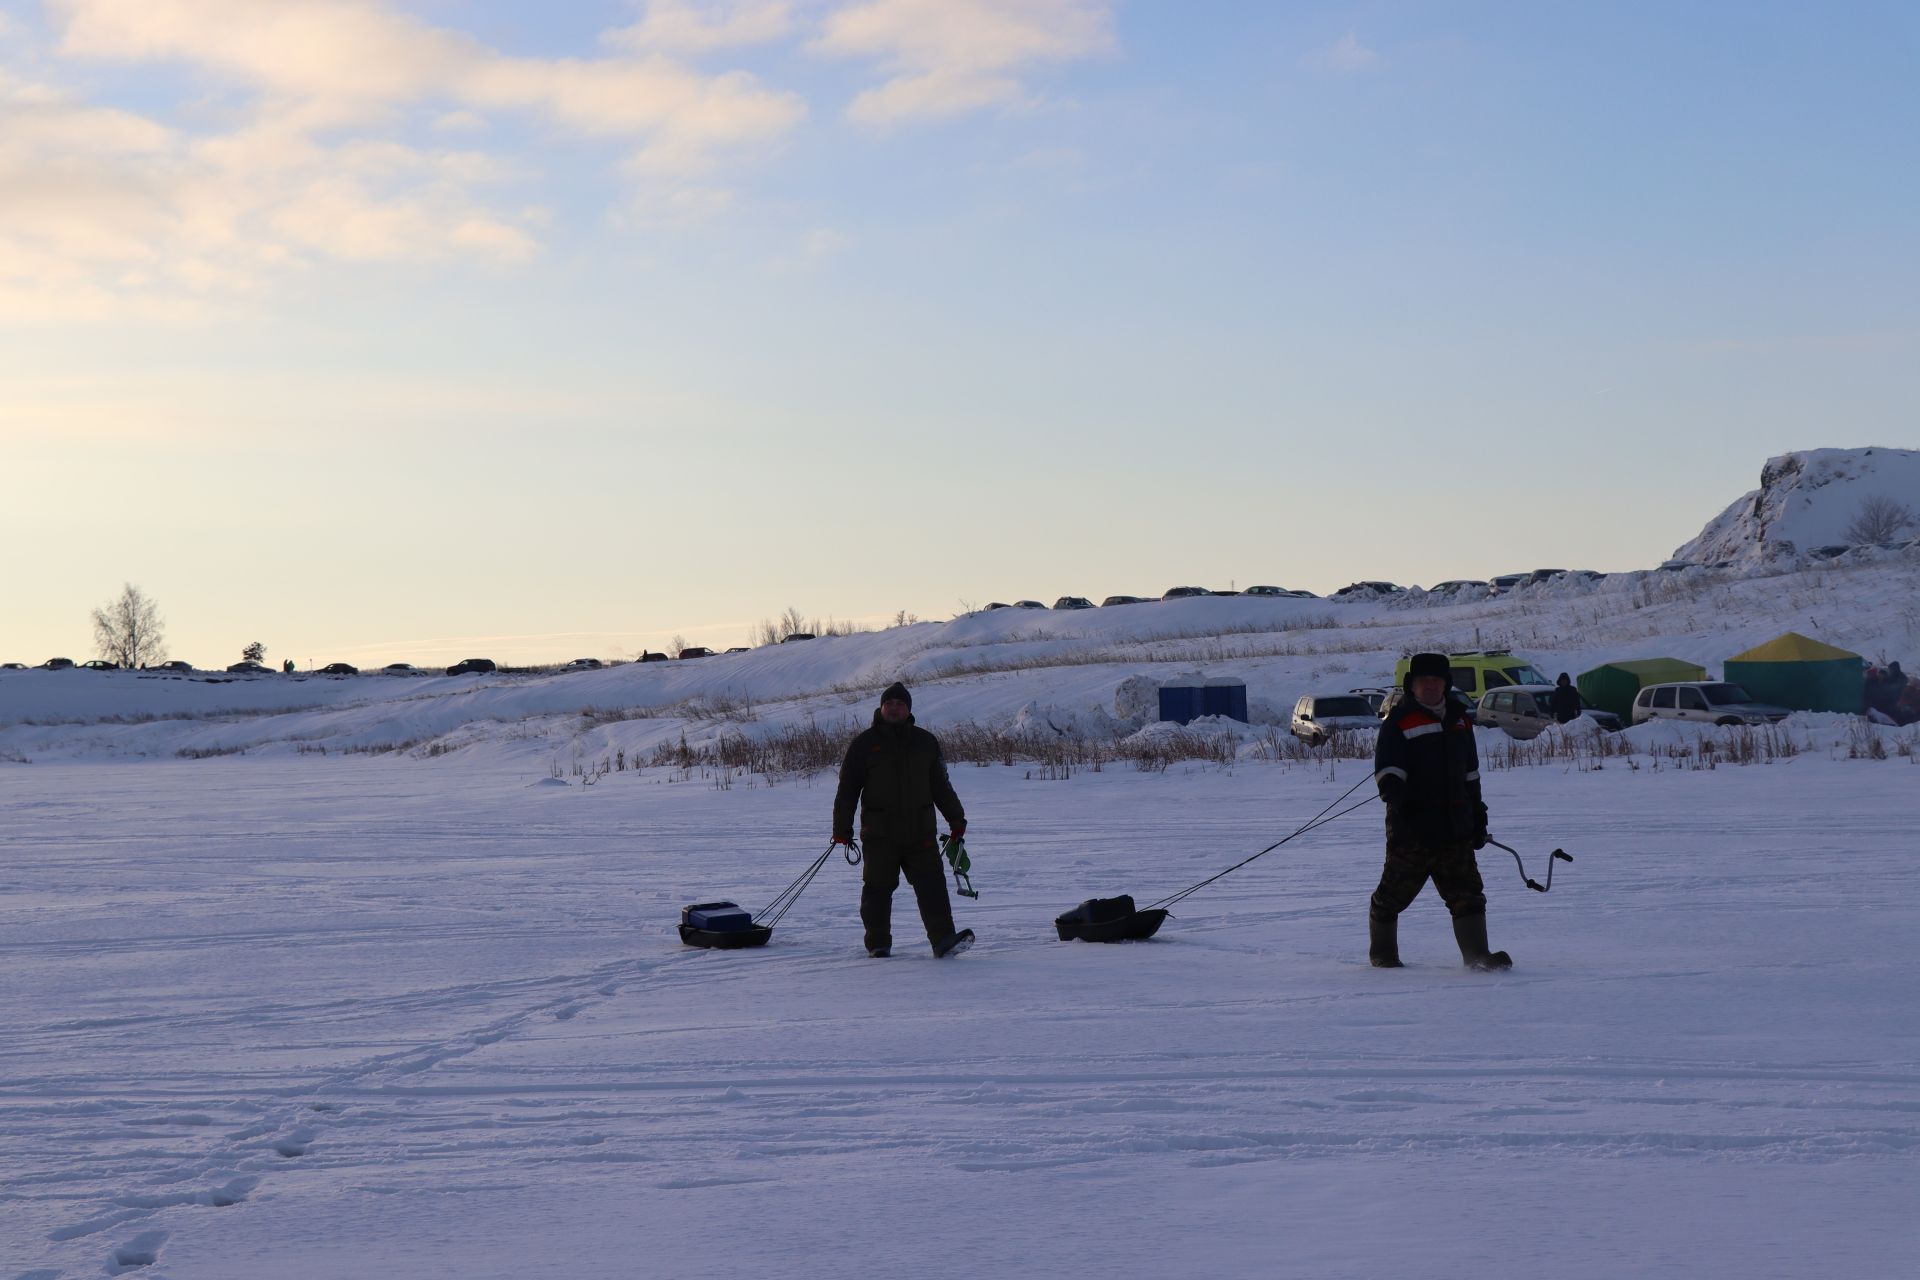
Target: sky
380	331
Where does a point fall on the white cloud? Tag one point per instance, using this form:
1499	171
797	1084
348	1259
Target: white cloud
684	26
98	203
1347	55
950	57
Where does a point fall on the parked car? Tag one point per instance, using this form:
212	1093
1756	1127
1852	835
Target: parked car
1182	593
1458	586
400	668
1526	711
1476	673
996	604
249	667
739	648
653	657
13	666
1504	582
1073	602
339	669
175	665
57	664
1318	716
1265	591
584	664
1397	696
99	664
1368	590
1113	600
1546	575
1298	594
695	652
1374	696
808	635
1028	604
1704	702
1230	591
471	666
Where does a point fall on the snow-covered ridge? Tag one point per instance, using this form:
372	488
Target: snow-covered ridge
1009	670
1808	500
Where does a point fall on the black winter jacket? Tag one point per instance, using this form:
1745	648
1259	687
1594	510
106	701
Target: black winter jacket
1566	703
1428	772
897	777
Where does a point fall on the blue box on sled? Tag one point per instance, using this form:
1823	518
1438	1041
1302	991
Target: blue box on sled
717	917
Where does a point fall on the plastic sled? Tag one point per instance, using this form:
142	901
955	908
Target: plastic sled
1109	920
723	926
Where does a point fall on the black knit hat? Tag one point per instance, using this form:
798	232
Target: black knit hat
1429	664
897	692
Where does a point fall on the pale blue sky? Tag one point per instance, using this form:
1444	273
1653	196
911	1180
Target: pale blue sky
379	330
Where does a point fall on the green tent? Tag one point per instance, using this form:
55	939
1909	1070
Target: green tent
1795	671
1612	687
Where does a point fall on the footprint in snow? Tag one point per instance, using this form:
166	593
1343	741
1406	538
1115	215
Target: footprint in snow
297	1143
141	1251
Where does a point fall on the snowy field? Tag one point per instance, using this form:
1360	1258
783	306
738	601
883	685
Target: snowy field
302	1016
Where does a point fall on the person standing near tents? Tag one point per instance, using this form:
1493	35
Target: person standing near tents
1428	772
895	774
1566	700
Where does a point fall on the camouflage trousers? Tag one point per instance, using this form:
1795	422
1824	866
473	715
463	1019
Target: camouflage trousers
1455	876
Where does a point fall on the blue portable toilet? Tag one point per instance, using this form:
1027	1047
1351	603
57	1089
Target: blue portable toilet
1187	698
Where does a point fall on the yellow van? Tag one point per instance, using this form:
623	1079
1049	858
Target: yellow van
1475	673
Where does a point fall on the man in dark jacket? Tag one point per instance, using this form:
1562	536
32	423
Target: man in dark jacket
1428	772
1566	700
894	772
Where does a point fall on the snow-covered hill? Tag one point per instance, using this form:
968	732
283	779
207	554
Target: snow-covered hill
1010	669
1809	500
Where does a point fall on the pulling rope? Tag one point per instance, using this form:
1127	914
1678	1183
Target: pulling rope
1320	819
791	894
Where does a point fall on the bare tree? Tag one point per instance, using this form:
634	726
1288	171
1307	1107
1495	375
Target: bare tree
1879	519
128	630
675	645
255	652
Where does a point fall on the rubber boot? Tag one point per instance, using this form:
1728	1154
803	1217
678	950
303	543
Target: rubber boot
876	913
1383	943
1471	933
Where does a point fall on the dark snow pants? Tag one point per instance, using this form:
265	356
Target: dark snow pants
1452	869
880	876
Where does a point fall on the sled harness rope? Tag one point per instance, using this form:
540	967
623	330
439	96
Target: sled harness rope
791	894
955	849
1558	855
1320	819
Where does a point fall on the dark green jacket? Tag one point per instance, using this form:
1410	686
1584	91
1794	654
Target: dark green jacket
896	776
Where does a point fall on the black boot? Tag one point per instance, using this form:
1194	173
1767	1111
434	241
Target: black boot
1471	933
876	913
1383	943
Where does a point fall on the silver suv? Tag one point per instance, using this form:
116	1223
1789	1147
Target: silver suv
1318	716
1526	711
1704	702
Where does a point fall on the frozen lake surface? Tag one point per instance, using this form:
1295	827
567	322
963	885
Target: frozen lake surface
325	1017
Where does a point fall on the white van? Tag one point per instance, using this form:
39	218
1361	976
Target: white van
1704	702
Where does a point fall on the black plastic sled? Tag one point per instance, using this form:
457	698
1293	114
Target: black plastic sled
1109	920
725	926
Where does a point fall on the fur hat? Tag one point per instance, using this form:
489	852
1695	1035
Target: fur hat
897	691
1429	664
